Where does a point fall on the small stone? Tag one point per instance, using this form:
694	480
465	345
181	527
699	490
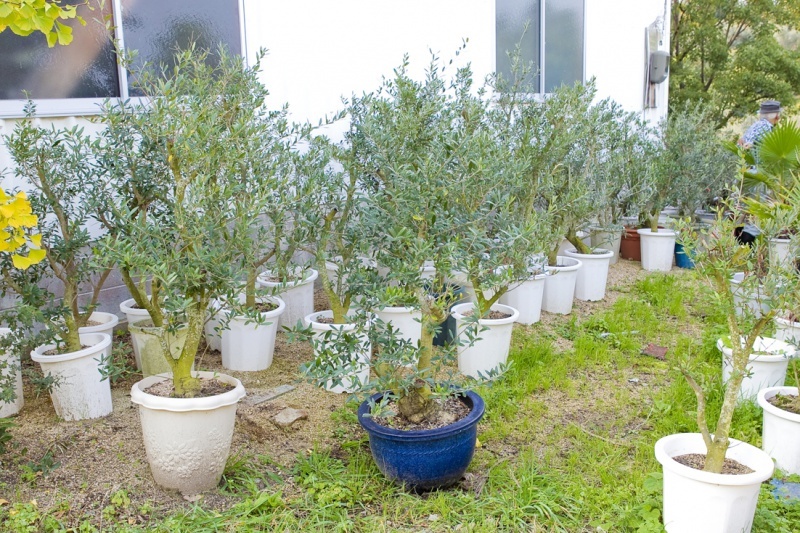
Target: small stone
653	350
192	498
633	380
289	416
433	518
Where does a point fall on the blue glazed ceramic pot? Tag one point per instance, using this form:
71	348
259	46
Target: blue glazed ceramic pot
682	259
426	459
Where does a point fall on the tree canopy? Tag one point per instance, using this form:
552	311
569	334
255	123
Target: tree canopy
728	54
24	17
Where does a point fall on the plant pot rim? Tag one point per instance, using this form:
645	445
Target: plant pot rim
225	311
604	254
398	309
456	312
787	322
576	264
152	330
769	392
111	320
780	239
761	471
310	276
127	307
787	350
662	232
96	342
475	414
206	403
311	320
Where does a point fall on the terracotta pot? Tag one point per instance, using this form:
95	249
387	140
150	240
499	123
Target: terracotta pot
630	247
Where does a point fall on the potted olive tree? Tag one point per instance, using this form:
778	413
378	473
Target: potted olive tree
193	122
700	489
409	137
56	165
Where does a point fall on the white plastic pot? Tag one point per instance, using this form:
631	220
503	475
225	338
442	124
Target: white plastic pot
559	285
697	501
187	440
590	284
428	271
763	369
658	249
211	327
607	240
107	323
460	278
781	431
406	320
246	345
134	314
80	391
491	348
780	252
298	295
786	330
9	366
748	297
146	338
526	298
358	366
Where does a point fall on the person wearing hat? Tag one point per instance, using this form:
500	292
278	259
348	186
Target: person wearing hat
768	115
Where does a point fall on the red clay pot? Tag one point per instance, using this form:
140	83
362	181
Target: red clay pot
629	247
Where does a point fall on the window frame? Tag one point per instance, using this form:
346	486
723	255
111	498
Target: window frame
540	93
70	107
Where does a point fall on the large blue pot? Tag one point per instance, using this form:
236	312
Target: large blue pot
682	259
425	459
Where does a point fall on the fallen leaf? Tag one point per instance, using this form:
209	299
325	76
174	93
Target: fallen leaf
653	350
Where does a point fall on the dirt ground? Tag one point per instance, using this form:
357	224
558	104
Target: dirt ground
97	458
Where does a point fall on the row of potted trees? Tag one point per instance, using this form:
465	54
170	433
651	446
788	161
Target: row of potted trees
437	193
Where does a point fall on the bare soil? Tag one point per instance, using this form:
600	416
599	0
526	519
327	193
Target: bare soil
787	402
99	457
698	462
493	315
448	411
208	387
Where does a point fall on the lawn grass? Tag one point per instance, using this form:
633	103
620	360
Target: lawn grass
566	443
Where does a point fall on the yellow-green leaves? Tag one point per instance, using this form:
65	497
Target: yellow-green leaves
15	218
24	17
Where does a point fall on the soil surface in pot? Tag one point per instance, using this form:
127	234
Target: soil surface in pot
208	387
698	462
266	307
493	315
448	411
787	402
61	351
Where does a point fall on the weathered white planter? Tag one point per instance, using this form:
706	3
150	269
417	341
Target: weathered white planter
781	431
697	501
748	297
780	252
526	298
406	320
134	314
107	323
764	369
145	338
246	345
9	366
187	440
590	284
460	278
298	295
358	365
559	285
211	327
491	348
788	331
658	249
608	240
80	392
428	271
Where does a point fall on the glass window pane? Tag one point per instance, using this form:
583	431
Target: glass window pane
157	28
86	68
563	49
511	17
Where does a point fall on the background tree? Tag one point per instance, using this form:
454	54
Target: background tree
24	17
727	53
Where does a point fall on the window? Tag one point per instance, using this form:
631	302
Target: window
73	79
553	42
